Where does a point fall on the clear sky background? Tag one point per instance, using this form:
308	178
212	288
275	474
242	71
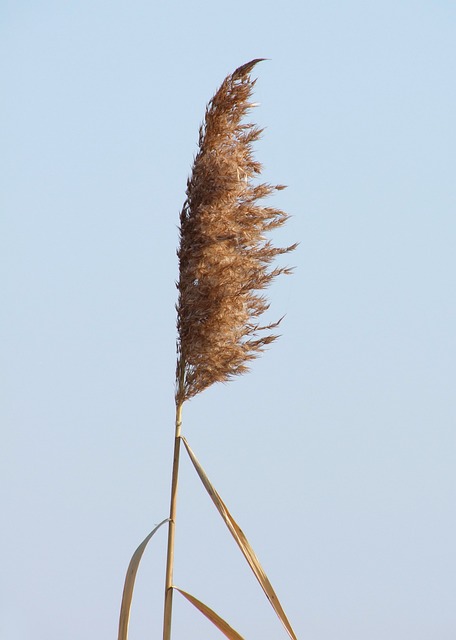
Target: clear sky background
337	453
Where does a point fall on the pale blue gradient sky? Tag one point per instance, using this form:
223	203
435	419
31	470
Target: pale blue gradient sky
337	453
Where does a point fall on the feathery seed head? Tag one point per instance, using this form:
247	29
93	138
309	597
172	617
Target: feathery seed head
223	254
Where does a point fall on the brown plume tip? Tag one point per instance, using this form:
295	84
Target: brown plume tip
247	67
224	258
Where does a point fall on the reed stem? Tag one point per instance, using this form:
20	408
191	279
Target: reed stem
171	528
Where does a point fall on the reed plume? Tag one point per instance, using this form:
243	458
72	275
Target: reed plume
223	254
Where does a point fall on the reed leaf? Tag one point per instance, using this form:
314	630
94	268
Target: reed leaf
129	585
242	542
219	622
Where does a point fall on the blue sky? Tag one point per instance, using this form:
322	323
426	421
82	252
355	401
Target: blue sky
336	454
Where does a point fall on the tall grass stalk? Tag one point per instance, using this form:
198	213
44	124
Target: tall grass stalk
171	528
224	261
224	266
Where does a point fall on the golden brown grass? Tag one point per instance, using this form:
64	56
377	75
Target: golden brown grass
225	264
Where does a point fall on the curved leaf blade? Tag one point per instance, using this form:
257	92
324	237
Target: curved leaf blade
129	585
219	622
